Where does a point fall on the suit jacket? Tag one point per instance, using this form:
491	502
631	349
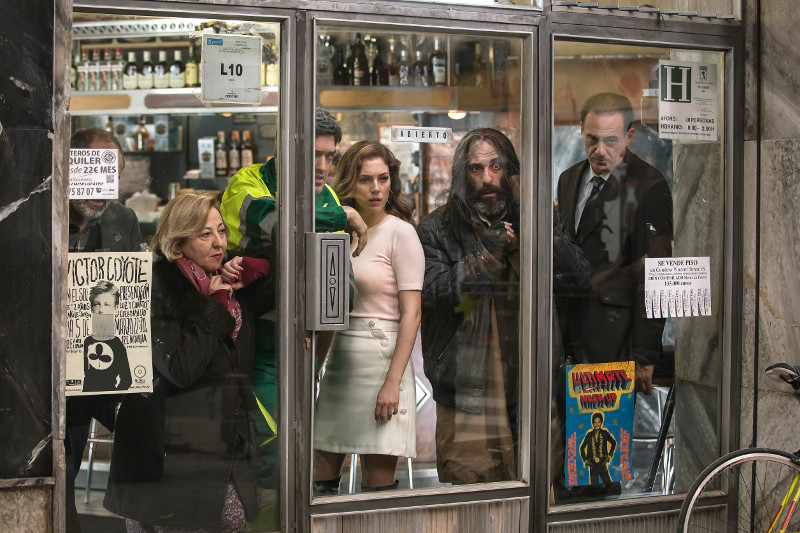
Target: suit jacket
630	219
119	229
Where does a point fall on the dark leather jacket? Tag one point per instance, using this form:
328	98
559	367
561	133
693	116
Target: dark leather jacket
462	281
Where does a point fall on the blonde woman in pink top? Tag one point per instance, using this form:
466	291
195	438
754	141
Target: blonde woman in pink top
366	402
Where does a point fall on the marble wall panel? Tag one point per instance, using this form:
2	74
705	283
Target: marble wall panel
749	259
698	211
775	409
26	129
779	284
779	73
751	74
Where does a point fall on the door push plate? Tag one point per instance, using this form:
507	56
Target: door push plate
327	281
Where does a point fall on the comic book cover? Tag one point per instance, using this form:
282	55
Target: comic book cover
599	423
108	323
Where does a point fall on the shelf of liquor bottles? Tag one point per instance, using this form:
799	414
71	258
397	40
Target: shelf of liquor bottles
176	101
142	65
416	71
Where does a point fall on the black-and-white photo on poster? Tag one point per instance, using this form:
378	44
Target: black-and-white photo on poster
108	323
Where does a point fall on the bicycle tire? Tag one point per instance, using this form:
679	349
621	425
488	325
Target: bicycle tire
761	495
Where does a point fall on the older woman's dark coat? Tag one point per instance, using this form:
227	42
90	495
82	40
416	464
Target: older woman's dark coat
176	450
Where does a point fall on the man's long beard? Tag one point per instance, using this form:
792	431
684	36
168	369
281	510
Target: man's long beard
87	211
491	207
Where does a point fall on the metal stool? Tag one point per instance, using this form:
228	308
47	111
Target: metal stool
93	440
662	458
354	461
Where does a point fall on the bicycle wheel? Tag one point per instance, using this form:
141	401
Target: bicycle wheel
760	478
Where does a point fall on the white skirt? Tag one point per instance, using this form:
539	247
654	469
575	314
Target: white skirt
344	421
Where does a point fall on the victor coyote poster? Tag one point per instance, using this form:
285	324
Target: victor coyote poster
108	323
599	423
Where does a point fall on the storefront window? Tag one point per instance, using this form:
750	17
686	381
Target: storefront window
504	3
181	454
448	254
638	179
702	9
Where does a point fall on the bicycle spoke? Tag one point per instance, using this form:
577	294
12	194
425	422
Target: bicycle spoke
763	486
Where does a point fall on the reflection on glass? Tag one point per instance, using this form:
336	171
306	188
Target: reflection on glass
470	436
616	204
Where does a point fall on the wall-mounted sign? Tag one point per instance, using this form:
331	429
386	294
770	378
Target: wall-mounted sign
93	174
677	286
688	100
416	134
231	68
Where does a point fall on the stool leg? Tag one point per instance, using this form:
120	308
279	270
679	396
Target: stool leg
410	473
90	463
353	463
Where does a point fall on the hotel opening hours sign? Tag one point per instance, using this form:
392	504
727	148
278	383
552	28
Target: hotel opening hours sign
231	68
688	101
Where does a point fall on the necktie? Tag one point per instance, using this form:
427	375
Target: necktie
597	184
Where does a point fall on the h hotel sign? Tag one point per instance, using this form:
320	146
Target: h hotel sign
676	83
689	100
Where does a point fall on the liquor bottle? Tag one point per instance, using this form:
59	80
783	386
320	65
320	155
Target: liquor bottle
403	69
73	79
161	71
325	61
438	64
348	62
247	154
130	76
117	66
141	134
273	73
94	71
220	156
145	80
83	71
104	81
371	51
421	70
391	66
340	73
177	71
360	63
234	156
379	74
191	72
110	125
479	68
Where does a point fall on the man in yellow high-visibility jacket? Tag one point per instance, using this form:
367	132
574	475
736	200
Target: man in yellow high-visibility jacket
249	210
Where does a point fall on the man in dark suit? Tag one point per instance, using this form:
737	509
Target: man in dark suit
619	211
